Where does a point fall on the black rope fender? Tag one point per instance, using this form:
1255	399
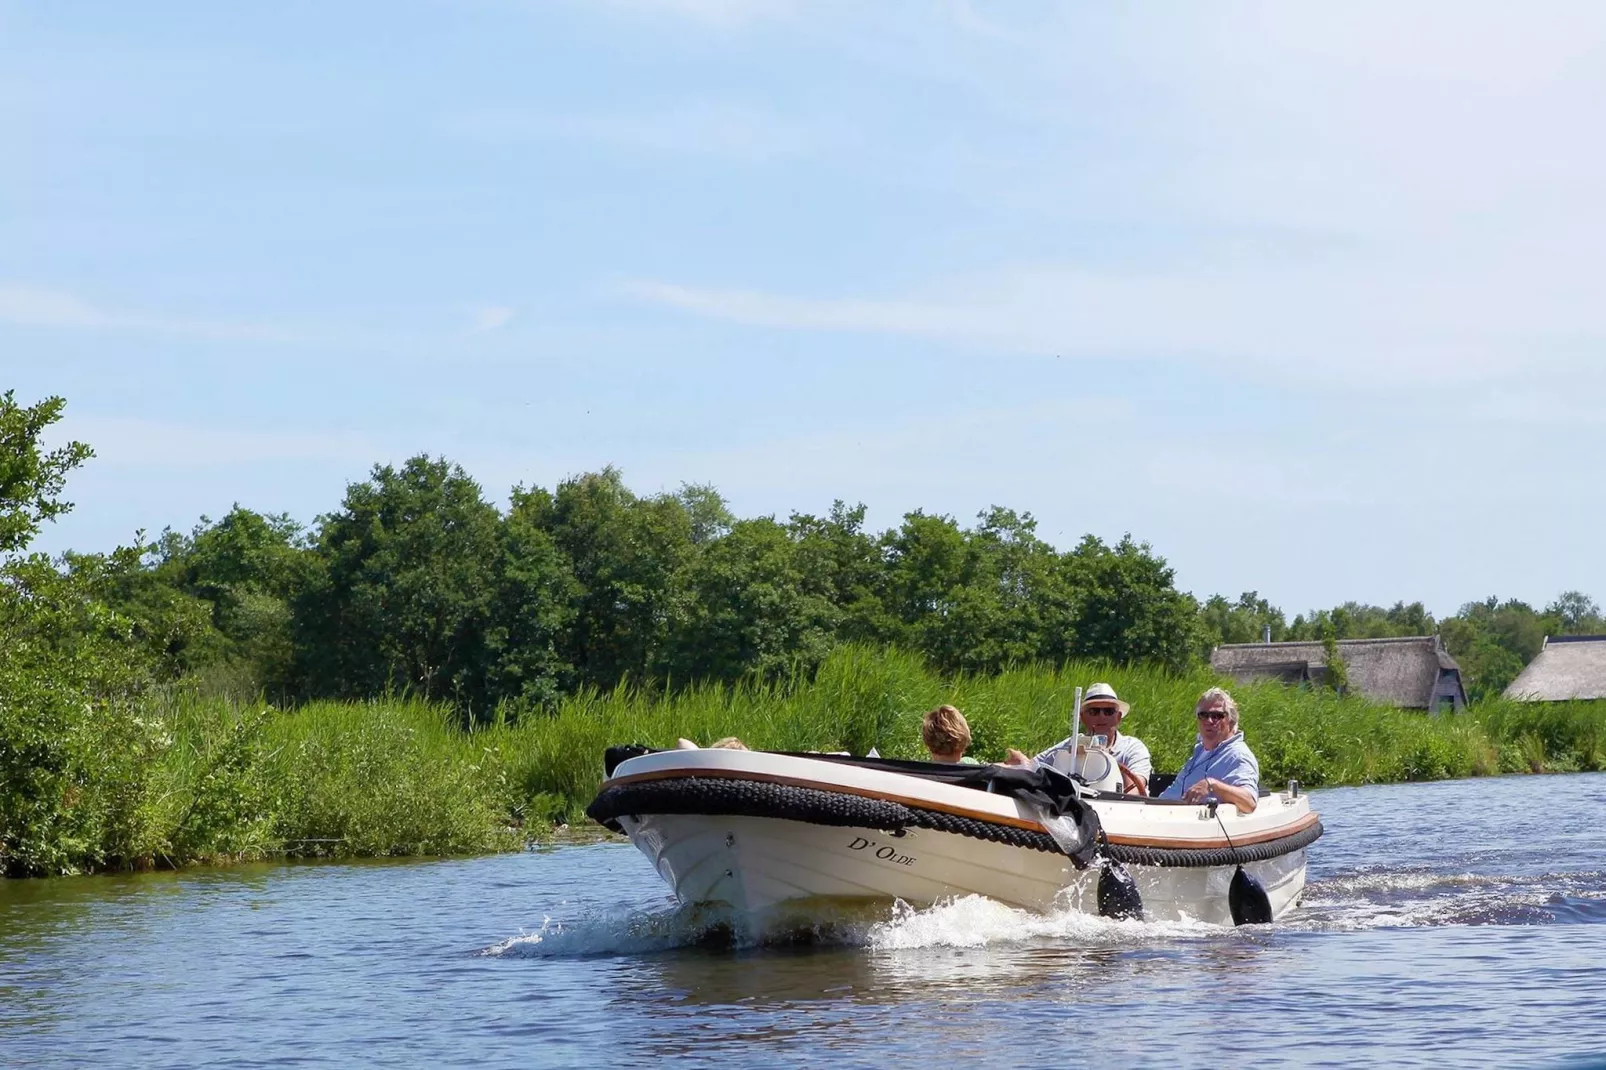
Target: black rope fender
725	797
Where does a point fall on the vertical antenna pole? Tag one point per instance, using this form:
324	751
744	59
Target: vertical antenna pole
1076	725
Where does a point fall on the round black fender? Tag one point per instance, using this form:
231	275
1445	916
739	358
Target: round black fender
1118	892
1248	901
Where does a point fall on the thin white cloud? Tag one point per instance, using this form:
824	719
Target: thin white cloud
758	309
1330	324
428	337
143	445
45	308
485	318
32	306
967	18
35	306
719	14
733	132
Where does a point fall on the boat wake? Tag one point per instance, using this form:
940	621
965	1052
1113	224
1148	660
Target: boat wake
1376	897
975	921
970	921
1359	899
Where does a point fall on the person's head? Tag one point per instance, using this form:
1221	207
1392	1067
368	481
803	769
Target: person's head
1217	715
946	734
1102	710
728	743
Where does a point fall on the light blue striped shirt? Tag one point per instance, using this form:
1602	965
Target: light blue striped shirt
1232	762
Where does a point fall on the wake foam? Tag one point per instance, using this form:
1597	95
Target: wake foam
694	926
1373	898
1367	898
970	921
975	921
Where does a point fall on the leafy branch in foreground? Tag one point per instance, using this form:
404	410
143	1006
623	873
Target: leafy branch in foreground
31	477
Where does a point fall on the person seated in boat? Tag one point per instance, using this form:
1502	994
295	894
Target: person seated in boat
1222	766
1102	714
946	734
728	743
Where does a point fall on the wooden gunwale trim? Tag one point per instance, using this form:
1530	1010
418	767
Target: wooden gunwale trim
1248	838
1201	844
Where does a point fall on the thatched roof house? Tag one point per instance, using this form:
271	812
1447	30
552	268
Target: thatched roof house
1412	672
1569	666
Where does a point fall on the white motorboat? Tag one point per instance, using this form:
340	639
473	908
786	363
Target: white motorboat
756	830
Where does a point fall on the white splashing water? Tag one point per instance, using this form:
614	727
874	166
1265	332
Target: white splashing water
967	922
637	933
975	921
1360	899
1378	898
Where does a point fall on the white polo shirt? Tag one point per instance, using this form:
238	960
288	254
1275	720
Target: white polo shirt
1128	750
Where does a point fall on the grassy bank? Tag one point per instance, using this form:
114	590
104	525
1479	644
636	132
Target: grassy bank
176	779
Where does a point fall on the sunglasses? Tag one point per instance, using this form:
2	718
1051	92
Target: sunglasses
1211	715
1100	711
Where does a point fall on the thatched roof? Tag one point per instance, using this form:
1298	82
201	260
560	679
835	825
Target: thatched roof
1402	672
1569	666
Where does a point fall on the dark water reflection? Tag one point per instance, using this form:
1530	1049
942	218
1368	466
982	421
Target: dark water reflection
1447	924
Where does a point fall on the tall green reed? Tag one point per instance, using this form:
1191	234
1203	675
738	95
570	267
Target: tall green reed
176	778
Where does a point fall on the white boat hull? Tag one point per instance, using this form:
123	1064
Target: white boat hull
755	864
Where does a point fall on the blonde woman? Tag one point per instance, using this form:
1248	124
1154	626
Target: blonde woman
946	734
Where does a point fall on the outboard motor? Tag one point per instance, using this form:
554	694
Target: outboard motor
1246	898
1118	892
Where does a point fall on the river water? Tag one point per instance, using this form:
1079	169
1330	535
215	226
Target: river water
1449	924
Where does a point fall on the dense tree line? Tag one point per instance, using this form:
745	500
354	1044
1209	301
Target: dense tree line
416	582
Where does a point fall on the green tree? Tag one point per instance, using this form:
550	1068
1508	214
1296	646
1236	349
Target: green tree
841	562
1356	620
1492	641
67	672
746	609
976	600
535	607
250	568
707	510
405	592
1245	621
31	477
67	668
1021	598
1337	667
928	567
173	628
627	554
1575	613
1129	609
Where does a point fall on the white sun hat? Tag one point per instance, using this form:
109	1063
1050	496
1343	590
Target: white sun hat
1102	692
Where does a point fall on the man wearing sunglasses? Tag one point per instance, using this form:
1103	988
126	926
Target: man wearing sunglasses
1222	766
1102	712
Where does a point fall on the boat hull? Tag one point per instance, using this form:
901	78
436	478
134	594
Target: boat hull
756	864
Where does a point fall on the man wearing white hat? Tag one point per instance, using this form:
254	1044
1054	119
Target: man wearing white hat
1102	713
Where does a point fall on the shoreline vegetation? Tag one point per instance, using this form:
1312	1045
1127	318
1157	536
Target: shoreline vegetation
175	778
524	640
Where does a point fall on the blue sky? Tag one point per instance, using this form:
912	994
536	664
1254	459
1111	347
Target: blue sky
1308	299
